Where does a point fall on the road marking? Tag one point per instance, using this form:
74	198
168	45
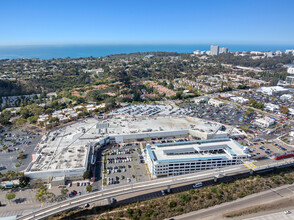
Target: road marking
248	165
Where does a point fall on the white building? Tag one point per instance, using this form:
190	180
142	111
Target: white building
271	107
197	52
290	70
290	80
171	159
240	100
214	50
291	111
289	51
273	90
223	50
265	122
286	97
269	54
215	102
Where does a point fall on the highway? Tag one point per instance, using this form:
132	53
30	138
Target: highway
277	198
157	184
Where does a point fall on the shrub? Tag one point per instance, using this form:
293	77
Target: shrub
64	191
172	204
179	209
185	197
213	189
120	214
129	212
155	214
219	196
149	213
230	197
138	212
195	197
240	194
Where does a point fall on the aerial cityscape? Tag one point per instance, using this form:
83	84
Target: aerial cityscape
126	112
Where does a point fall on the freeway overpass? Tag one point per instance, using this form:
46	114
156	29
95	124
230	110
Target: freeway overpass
155	185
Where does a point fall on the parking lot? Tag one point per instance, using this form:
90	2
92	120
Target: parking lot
274	99
149	110
124	164
262	149
226	114
12	143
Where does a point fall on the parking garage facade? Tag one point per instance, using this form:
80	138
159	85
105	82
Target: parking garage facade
171	159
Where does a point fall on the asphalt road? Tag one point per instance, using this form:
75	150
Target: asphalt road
274	216
216	212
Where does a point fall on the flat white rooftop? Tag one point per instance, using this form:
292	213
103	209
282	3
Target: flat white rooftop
222	148
123	125
66	148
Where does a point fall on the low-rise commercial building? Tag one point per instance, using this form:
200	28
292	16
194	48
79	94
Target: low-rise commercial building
240	100
215	102
286	97
290	70
273	90
271	107
265	122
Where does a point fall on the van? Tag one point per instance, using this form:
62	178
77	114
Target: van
197	185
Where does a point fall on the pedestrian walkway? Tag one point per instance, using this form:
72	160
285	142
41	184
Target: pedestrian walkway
249	165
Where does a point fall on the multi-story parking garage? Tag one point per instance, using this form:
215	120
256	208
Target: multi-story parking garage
169	159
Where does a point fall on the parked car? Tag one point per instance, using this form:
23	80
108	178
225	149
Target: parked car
197	185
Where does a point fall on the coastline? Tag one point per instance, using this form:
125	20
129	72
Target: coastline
81	51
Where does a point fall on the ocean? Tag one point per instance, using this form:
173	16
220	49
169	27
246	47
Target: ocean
76	51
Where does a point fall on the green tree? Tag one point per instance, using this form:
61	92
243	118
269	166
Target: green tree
24	181
170	85
10	196
89	188
43	194
20	155
64	191
5	117
87	174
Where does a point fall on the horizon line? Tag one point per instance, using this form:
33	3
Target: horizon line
141	43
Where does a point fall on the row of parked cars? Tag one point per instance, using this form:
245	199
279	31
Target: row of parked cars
119	152
119	160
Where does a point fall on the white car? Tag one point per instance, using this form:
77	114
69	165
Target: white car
197	185
287	212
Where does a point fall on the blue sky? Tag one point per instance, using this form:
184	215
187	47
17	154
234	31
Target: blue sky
152	22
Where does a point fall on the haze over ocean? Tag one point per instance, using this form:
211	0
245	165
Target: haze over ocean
76	51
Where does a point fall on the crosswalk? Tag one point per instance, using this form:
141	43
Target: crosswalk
20	202
249	165
14	212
